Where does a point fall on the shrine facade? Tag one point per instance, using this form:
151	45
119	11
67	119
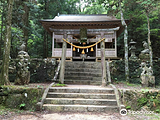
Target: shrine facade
84	30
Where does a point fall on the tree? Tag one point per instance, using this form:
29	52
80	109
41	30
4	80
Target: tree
4	79
125	43
148	6
113	7
25	19
2	24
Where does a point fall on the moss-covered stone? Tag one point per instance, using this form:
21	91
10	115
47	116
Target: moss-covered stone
40	71
14	96
148	99
118	71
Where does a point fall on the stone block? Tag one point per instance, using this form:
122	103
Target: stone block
75	108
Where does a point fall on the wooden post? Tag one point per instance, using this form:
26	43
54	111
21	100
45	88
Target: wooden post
53	45
103	63
115	42
63	59
108	72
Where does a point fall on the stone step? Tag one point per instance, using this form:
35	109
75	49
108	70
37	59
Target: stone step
81	101
83	82
83	65
83	70
98	82
81	95
81	90
77	82
75	73
82	78
79	108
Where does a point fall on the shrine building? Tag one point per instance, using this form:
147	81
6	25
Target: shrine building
83	34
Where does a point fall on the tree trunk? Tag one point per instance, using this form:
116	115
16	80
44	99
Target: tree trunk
125	43
45	45
1	39
25	24
1	33
45	36
149	41
4	79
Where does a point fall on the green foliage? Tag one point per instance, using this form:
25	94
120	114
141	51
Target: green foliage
118	73
118	70
144	90
157	110
4	110
22	106
150	100
130	84
128	107
156	68
59	85
43	9
142	101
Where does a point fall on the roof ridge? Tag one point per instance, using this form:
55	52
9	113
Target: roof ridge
83	15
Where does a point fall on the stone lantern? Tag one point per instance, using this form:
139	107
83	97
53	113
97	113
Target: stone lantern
133	50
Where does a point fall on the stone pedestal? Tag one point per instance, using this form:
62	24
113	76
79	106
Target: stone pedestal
144	57
147	78
22	78
147	81
152	81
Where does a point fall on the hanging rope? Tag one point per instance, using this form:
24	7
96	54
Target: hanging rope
82	47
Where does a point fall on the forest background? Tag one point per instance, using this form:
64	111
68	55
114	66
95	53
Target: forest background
25	25
27	13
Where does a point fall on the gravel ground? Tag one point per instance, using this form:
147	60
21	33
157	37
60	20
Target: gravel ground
79	116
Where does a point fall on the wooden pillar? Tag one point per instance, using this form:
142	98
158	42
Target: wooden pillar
108	73
63	60
96	54
53	44
115	36
103	63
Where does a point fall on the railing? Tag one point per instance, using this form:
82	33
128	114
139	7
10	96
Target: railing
108	53
58	52
57	71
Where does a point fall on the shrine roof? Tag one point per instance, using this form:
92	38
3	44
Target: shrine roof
99	21
82	18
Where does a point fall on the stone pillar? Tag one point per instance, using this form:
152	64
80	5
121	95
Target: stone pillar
103	63
108	72
63	60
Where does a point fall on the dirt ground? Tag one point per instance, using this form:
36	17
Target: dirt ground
78	116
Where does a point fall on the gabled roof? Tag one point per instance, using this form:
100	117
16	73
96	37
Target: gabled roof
101	21
83	18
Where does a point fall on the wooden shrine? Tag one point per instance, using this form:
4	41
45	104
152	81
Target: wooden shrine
83	30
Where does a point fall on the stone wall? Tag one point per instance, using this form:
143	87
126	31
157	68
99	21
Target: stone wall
41	70
148	99
118	71
15	96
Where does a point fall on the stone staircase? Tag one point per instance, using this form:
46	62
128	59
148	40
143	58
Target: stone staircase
83	98
84	73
